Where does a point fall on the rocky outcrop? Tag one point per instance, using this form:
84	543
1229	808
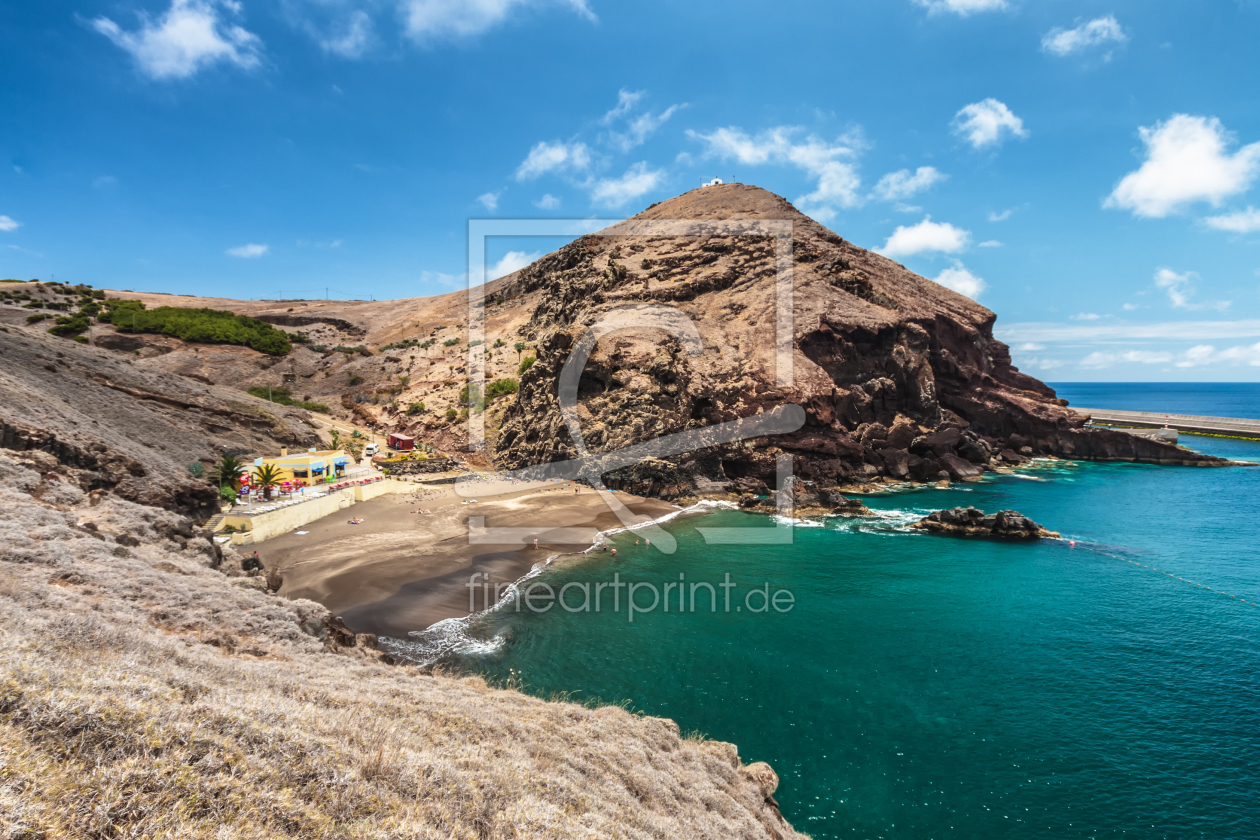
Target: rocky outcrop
969	522
898	377
101	422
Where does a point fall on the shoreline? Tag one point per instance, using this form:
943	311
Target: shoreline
401	571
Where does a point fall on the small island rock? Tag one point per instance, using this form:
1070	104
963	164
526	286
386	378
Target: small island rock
970	522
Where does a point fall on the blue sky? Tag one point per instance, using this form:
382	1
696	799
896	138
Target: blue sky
1090	171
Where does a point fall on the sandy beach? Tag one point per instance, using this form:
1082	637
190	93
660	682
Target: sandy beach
401	570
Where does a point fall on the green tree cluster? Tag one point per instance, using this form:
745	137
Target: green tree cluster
210	326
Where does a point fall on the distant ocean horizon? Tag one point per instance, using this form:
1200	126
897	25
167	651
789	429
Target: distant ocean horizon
1214	399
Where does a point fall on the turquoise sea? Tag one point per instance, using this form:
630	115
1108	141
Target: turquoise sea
931	687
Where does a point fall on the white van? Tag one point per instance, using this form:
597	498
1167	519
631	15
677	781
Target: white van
371	450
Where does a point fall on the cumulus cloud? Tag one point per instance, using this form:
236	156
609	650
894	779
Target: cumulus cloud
990	243
626	101
927	235
1148	357
829	162
961	7
1103	30
547	202
1099	359
489	200
191	35
962	281
1180	287
638	180
426	20
1001	217
987	123
903	183
512	261
1242	221
1186	162
8	223
251	251
554	157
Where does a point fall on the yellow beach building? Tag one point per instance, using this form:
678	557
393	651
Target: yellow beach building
306	469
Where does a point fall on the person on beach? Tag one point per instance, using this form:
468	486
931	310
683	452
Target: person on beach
252	563
614	552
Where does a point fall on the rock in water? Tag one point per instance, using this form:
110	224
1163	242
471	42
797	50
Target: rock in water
969	522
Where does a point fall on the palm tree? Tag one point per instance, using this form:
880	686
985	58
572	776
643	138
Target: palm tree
519	347
336	439
227	473
266	477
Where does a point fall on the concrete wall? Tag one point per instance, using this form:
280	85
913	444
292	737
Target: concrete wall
264	526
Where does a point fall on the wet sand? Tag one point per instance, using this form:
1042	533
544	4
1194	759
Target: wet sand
400	571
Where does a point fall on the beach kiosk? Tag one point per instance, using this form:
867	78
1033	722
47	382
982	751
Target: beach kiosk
401	443
307	468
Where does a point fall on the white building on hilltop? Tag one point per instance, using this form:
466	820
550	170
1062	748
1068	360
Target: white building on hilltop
714	182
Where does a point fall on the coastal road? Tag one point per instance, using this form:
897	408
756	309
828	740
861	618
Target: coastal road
1189	423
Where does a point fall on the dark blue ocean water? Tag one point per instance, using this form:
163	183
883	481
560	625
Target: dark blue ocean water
932	687
1213	399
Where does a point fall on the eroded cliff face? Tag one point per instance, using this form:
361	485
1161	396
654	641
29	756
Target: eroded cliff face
898	376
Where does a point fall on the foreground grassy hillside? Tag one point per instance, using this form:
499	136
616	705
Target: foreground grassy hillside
149	689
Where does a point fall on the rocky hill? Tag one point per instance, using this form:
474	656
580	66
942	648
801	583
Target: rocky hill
898	376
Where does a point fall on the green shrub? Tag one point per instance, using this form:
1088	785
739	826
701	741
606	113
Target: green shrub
450	342
196	469
525	365
415	408
71	325
475	343
451	414
355	379
501	388
35	319
282	396
498	342
207	326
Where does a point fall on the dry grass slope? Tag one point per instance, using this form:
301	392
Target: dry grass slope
144	693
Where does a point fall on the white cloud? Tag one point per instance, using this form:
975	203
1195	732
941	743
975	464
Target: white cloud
1186	162
354	37
1030	346
962	281
489	200
426	20
907	208
1148	357
189	37
248	252
553	157
547	202
927	235
1129	307
1098	359
990	243
903	183
961	7
1180	287
838	181
1199	355
1120	331
638	180
512	261
626	101
1242	221
1086	316
1001	217
7	224
1103	30
987	123
641	128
